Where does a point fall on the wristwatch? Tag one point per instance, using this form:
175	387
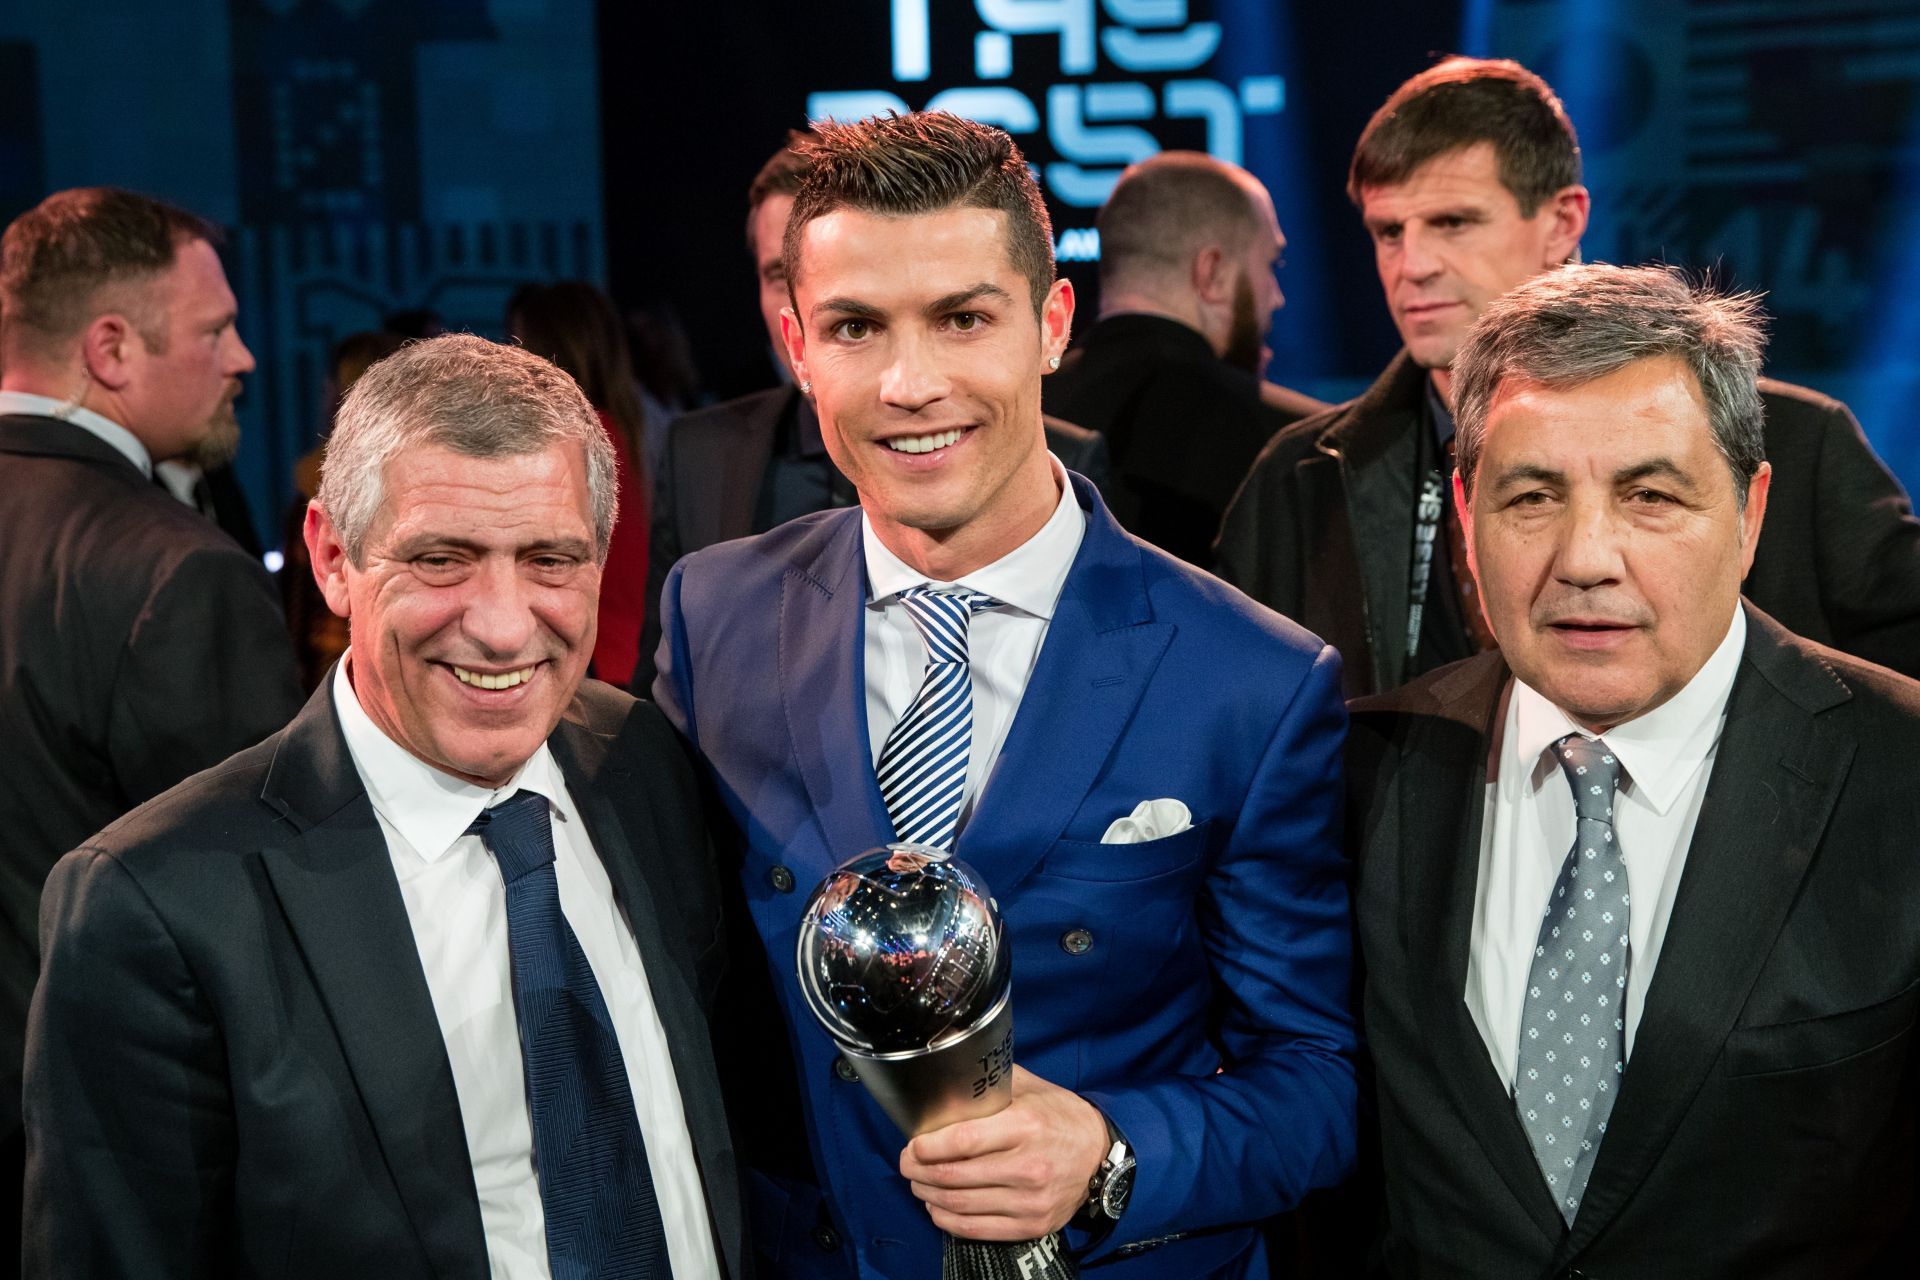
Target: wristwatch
1111	1184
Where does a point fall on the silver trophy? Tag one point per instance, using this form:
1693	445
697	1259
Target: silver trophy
903	958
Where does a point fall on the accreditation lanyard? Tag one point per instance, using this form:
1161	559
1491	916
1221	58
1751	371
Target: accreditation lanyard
1426	527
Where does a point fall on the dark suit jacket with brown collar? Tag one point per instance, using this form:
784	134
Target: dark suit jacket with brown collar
234	1067
1322	530
1765	1125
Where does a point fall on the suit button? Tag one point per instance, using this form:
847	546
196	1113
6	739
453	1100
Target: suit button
826	1237
1076	942
781	879
844	1069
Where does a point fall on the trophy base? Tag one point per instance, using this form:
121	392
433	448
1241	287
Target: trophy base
927	1089
1043	1259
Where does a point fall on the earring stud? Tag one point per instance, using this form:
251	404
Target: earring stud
1053	362
806	388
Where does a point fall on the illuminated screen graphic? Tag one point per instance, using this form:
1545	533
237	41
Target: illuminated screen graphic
1106	83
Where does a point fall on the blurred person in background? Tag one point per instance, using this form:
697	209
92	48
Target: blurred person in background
664	367
1171	372
575	325
319	634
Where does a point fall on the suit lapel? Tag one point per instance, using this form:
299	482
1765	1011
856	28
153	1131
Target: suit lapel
1775	779
624	834
744	460
336	885
822	678
1446	795
1101	650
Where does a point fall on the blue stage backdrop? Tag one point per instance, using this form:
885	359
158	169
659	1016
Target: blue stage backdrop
366	157
378	156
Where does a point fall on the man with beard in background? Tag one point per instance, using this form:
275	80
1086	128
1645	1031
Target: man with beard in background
138	643
1171	373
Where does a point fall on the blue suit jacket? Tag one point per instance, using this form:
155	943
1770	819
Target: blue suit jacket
1210	1017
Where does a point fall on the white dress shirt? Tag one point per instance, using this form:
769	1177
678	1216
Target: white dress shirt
1003	643
1666	757
86	419
457	904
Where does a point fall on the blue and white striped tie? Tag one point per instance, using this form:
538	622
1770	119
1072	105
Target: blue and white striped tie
923	766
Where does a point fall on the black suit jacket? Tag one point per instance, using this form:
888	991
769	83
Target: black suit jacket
1183	426
138	644
708	488
1765	1124
1322	531
234	1066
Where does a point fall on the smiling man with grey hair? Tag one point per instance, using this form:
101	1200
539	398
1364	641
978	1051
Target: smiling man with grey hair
1639	905
417	987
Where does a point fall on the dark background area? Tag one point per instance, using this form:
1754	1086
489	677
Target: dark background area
375	157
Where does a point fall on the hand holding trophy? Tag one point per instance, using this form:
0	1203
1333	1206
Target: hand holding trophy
902	956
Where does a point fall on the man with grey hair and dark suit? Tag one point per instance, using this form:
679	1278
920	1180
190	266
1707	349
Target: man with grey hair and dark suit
418	986
1639	905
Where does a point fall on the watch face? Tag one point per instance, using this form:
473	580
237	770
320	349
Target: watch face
1113	1196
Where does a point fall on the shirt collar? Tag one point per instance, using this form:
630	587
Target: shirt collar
86	419
1661	750
429	808
1028	578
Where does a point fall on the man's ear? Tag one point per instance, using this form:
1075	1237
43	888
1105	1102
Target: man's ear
793	335
1754	515
1568	210
1056	319
110	346
1213	276
329	556
1463	508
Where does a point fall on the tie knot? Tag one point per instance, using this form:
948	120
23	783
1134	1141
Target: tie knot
943	617
1593	771
518	833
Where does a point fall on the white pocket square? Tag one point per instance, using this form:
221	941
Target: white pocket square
1150	820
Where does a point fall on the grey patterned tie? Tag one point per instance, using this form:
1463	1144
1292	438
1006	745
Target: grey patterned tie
1573	1036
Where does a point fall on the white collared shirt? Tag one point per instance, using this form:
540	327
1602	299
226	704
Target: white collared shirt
457	904
1666	757
86	419
1003	643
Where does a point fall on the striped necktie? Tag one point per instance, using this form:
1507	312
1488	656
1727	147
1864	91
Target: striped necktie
923	766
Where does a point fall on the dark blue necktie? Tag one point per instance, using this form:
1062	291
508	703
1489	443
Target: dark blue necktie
602	1218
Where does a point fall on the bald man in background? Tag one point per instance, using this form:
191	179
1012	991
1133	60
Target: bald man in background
1171	373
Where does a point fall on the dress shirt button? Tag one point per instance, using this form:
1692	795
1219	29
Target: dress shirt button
844	1069
826	1237
1076	942
781	879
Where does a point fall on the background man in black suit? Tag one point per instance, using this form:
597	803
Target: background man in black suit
1639	904
742	467
137	642
291	995
1171	373
1468	179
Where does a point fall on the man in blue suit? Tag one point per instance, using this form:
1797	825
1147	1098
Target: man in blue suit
1141	763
